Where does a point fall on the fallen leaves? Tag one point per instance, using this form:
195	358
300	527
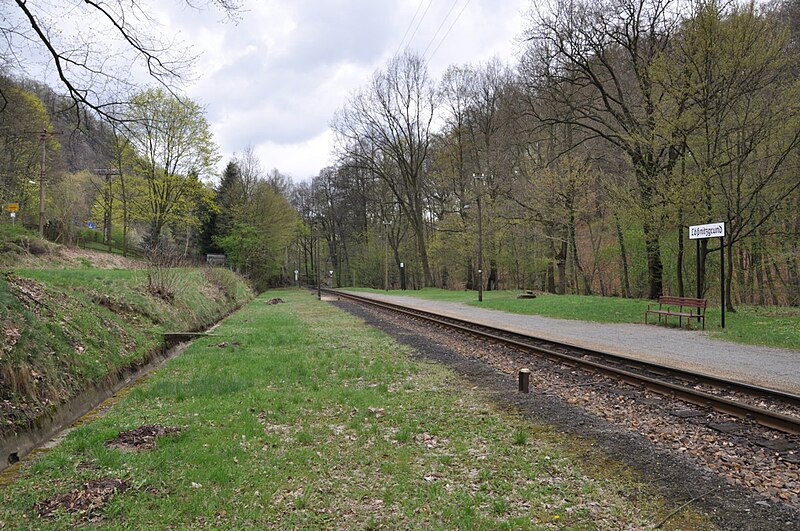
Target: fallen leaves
141	438
378	412
85	501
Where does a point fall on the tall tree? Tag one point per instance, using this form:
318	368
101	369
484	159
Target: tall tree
218	217
386	129
21	144
742	159
594	62
263	229
174	145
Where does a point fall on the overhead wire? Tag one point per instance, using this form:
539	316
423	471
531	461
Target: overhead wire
441	25
444	38
419	23
411	23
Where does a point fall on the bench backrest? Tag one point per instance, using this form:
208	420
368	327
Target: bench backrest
683	301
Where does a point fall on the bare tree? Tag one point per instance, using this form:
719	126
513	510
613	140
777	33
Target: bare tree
93	62
597	63
741	160
386	129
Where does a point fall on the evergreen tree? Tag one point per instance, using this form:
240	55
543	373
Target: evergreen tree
217	218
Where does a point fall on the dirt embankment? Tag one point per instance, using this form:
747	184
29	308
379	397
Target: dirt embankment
67	330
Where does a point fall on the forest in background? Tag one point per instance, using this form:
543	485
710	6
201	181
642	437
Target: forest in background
580	168
577	169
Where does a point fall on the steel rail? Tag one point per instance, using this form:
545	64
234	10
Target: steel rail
771	419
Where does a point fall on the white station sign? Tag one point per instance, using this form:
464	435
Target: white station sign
710	230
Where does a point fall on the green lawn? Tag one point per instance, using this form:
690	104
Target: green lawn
772	326
298	415
66	329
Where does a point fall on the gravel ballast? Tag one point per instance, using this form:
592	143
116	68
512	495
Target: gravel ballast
678	472
687	349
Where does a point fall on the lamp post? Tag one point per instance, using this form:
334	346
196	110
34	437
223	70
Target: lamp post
479	178
315	256
386	255
319	283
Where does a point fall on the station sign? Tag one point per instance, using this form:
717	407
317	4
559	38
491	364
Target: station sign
12	207
710	230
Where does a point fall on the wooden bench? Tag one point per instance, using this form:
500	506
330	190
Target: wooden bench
679	307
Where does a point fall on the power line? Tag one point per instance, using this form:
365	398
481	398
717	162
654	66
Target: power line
419	23
441	25
448	30
409	27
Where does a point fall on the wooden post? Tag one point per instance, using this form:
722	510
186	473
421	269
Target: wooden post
524	380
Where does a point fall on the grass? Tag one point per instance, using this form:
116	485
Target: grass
307	418
65	329
772	326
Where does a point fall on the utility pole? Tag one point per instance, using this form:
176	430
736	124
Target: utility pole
43	138
108	198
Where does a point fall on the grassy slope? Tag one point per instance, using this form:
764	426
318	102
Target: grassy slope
300	416
771	326
63	329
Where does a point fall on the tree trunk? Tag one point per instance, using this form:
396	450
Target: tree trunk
655	269
793	261
576	260
747	274
492	282
419	231
550	281
793	268
729	277
561	262
623	258
771	282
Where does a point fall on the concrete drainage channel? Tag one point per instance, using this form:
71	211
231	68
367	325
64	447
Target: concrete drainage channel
57	423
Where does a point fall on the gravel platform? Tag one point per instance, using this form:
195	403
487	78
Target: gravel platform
686	349
681	480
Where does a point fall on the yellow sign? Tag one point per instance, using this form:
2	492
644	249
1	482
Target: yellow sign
12	207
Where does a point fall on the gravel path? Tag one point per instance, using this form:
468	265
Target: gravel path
686	349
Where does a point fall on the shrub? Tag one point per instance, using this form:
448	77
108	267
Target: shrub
164	278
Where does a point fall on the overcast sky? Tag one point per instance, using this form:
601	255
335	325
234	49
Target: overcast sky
275	79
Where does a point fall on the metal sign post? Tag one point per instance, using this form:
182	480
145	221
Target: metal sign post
13	208
712	230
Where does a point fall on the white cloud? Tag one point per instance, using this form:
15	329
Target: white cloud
301	160
275	79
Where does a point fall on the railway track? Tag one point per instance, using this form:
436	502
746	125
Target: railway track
771	408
